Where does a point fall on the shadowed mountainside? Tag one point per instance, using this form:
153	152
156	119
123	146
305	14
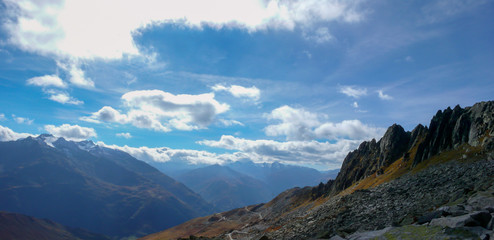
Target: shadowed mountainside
14	226
80	184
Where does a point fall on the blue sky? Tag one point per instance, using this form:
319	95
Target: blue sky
300	82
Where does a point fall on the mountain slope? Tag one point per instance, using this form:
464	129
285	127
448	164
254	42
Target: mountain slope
14	226
84	185
395	181
225	188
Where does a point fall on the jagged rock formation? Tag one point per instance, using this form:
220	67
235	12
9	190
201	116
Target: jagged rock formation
385	185
451	128
448	129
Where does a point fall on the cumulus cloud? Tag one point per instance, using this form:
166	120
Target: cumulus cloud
124	135
240	92
299	124
162	111
295	152
71	132
354	92
296	123
383	96
6	134
47	81
22	120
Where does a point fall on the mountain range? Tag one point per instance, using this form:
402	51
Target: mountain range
80	184
434	182
242	183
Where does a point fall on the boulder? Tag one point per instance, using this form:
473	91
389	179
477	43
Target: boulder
454	222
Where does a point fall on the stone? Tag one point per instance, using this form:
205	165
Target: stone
454	222
336	237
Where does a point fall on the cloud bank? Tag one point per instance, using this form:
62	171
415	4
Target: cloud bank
299	124
95	29
6	134
71	132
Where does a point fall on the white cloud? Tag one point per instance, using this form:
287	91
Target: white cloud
383	96
291	152
71	132
2	117
230	122
353	91
21	120
162	111
63	98
299	124
77	76
295	152
164	154
85	30
124	135
240	92
352	129
296	124
6	134
47	81
355	104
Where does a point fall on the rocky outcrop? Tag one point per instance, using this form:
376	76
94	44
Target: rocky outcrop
372	156
453	127
447	130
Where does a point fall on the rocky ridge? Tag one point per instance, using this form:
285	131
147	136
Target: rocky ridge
386	188
448	129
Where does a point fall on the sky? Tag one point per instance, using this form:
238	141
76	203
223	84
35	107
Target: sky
297	82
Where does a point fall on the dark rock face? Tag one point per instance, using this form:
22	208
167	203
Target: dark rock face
372	156
447	130
451	128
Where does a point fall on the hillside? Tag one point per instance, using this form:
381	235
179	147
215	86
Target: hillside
80	184
441	176
15	226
